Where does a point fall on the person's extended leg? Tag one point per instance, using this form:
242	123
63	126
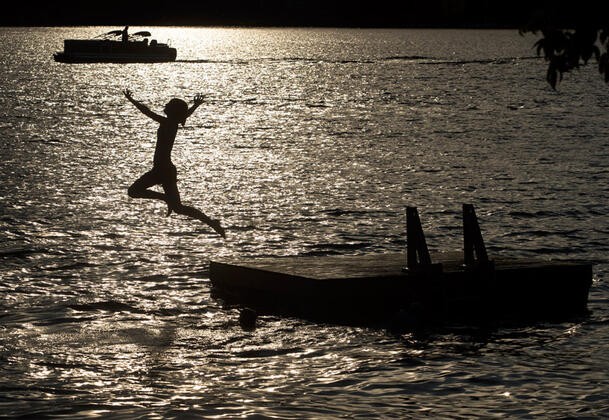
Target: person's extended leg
173	201
172	195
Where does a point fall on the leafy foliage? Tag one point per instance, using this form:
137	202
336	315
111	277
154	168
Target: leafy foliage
568	49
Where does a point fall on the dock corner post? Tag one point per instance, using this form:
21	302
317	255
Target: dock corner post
417	253
472	239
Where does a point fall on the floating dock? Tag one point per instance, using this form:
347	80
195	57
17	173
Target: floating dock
412	285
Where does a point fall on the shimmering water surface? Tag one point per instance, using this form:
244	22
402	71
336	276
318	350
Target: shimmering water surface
310	142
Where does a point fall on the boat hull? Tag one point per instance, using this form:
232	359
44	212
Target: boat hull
88	51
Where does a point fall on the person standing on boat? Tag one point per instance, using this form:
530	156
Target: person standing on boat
163	171
125	34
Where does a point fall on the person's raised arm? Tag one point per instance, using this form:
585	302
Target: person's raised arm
143	108
198	100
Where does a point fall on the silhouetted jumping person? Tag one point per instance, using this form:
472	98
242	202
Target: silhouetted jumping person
163	171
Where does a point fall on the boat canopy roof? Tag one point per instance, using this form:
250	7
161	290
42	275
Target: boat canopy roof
118	32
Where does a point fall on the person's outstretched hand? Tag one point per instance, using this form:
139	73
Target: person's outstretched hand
199	97
127	94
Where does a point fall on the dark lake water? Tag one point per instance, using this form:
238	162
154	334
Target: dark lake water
310	142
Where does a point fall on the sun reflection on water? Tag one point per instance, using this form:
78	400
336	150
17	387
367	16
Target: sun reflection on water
309	142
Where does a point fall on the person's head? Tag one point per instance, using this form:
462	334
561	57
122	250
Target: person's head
176	110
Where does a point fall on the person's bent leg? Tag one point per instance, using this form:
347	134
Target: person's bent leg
139	189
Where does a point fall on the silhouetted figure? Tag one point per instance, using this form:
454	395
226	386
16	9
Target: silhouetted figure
163	171
125	34
247	319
